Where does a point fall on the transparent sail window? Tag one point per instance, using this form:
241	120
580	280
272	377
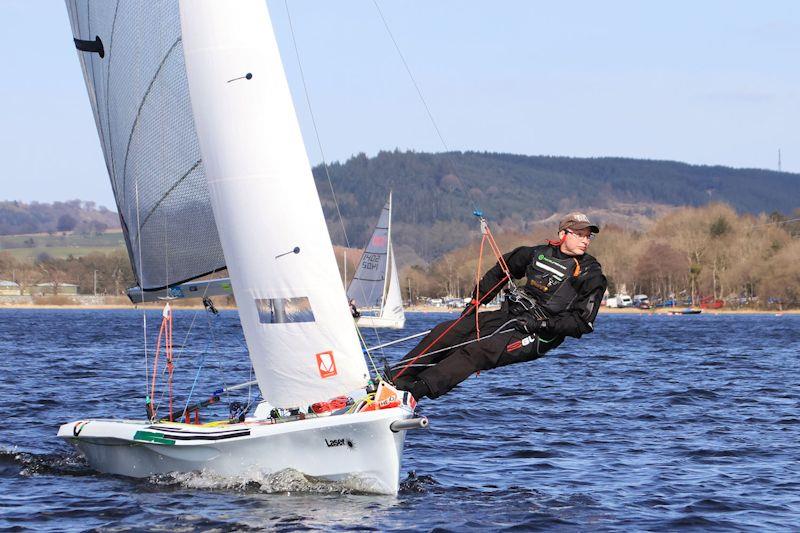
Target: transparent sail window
283	310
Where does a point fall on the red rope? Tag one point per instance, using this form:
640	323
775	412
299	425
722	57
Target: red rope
431	345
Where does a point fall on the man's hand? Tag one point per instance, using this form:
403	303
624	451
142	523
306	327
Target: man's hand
529	324
470	307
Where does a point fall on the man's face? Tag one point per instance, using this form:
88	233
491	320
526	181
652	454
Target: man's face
576	241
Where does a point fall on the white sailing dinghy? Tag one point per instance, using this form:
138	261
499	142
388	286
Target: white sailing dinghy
194	114
375	287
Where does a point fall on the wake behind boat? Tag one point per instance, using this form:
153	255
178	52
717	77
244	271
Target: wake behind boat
209	171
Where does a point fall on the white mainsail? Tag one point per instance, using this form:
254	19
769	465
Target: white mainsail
302	340
393	303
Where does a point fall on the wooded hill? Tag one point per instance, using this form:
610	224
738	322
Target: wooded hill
433	214
17	218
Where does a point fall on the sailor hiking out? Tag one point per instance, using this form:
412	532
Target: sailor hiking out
560	298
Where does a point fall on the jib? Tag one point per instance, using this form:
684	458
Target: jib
334	442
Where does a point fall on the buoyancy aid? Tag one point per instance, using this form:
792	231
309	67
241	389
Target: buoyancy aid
549	280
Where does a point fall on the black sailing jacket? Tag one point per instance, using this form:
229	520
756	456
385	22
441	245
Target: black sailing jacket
589	285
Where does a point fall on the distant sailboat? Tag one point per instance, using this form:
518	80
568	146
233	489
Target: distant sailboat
375	287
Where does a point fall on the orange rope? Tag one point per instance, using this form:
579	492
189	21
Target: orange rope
164	332
497	253
155	368
170	366
478	285
423	352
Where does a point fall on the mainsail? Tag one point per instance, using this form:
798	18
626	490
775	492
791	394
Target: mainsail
132	59
302	340
393	303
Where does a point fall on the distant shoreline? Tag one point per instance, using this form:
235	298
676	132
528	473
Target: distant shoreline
411	309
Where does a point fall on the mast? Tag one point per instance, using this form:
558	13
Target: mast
386	280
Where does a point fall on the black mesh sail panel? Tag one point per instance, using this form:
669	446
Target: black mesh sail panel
132	60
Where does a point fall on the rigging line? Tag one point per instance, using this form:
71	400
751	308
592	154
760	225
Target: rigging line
199	369
191	325
141	275
319	145
196	377
498	331
366	350
410	75
398	341
435	125
451	326
211	320
314	121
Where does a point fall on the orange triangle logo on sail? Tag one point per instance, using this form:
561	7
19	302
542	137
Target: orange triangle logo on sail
326	364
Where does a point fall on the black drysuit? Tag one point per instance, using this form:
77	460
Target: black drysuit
568	289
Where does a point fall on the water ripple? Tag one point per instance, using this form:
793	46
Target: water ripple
631	428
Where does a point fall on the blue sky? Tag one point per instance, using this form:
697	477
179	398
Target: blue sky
713	82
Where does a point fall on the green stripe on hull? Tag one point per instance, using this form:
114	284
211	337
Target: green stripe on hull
156	438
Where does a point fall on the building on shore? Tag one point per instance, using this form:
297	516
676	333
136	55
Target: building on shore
9	288
49	288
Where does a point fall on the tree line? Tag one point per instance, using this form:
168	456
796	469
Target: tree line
105	273
710	252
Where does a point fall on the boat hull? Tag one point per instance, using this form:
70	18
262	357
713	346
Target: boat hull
688	311
360	447
366	321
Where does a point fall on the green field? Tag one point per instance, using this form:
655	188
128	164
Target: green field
60	245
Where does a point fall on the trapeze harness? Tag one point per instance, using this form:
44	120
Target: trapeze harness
548	283
547	292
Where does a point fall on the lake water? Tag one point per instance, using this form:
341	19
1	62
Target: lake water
650	423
